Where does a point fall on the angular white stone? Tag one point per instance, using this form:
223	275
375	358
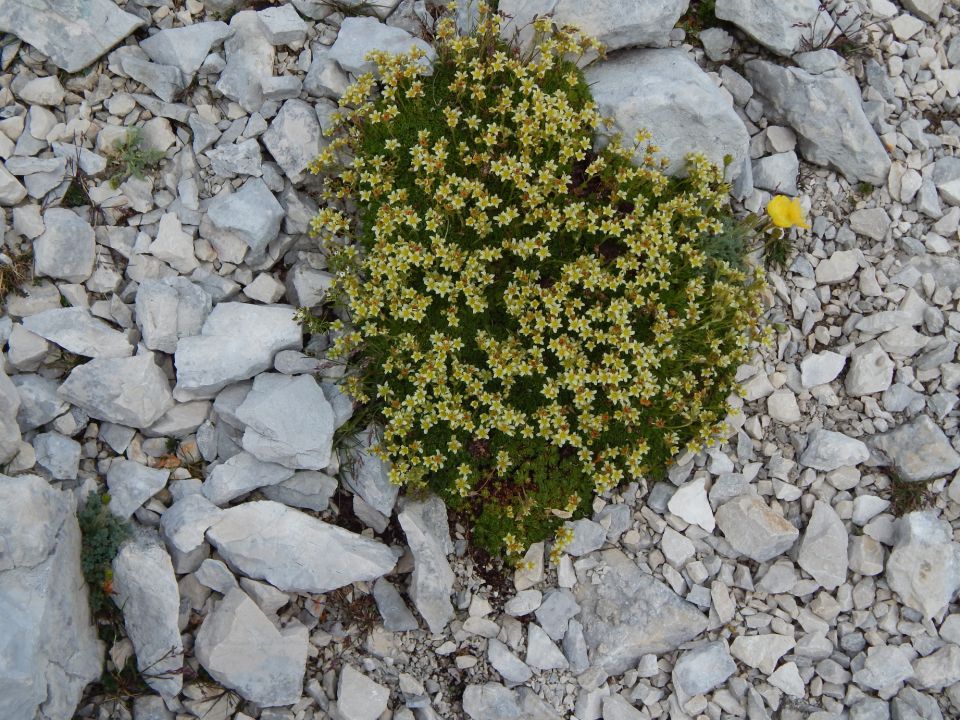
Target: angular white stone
754	529
49	649
761	651
72	35
631	614
428	535
823	550
666	92
839	134
237	341
924	565
145	589
289	422
919	450
361	35
77	331
838	268
131	391
702	668
295	552
542	654
615	23
65	250
788	27
240	648
132	484
828	450
359	697
871	370
690	504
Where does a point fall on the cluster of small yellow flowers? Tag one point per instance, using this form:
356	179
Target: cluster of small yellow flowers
532	321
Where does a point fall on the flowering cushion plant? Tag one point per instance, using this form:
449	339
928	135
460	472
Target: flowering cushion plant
531	321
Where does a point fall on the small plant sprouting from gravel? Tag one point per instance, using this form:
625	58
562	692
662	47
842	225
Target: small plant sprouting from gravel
102	534
129	158
15	270
907	497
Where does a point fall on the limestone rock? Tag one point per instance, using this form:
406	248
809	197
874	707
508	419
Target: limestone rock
761	651
9	428
918	450
361	35
169	309
49	649
65	250
788	27
131	391
294	138
72	35
615	23
294	551
754	529
368	476
252	213
823	550
631	614
826	112
666	92
924	565
237	341
250	58
828	450
237	643
359	697
132	484
428	535
700	669
241	474
145	589
288	421
871	370
77	331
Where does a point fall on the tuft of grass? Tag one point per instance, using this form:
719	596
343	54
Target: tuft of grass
907	497
15	270
102	533
531	321
129	158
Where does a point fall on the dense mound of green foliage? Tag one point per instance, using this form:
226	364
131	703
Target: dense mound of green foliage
531	321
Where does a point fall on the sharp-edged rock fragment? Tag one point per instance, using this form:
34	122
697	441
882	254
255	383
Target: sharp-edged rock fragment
428	535
65	250
252	213
754	529
288	421
666	92
823	550
71	34
295	552
826	112
630	614
77	331
237	341
294	138
132	484
240	648
828	450
361	35
359	697
788	27
615	23
49	649
701	669
924	565
240	474
131	391
918	450
145	589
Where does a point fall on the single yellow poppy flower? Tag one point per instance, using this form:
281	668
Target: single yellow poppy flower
786	213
